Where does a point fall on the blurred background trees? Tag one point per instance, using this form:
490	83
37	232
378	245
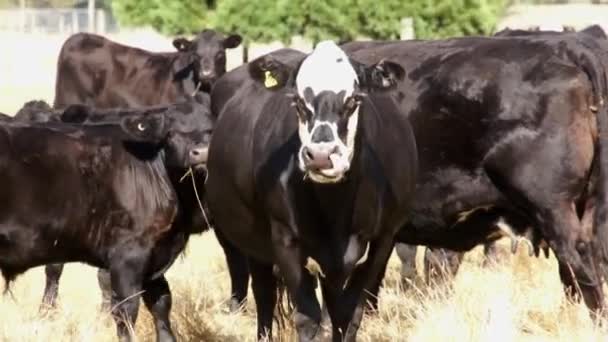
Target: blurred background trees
279	20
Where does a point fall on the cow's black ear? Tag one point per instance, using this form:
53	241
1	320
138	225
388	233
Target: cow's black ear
145	128
232	41
76	113
384	75
182	44
269	72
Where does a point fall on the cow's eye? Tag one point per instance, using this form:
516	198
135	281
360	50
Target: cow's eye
141	126
220	56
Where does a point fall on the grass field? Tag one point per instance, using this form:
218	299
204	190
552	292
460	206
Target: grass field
518	300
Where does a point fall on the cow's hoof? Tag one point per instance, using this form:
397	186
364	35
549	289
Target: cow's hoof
235	306
47	310
106	306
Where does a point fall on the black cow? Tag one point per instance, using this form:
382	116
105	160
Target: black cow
95	71
593	30
491	117
195	116
103	194
313	172
438	261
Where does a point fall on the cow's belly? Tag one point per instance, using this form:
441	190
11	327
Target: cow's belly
456	209
451	192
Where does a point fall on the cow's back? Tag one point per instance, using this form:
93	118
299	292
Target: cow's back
84	176
93	70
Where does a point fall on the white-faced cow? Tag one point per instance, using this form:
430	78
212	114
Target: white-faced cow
311	166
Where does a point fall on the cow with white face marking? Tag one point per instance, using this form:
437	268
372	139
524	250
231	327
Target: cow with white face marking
328	113
304	174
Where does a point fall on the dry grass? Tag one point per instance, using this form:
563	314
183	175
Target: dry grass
519	300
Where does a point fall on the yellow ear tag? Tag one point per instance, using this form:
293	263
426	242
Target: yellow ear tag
269	80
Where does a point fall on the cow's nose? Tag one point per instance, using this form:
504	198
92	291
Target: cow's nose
198	155
206	72
317	158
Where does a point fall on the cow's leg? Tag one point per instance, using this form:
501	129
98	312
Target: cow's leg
578	266
126	275
557	219
490	252
372	294
325	320
264	286
105	285
51	289
238	270
300	282
407	255
157	297
587	221
441	264
545	171
346	306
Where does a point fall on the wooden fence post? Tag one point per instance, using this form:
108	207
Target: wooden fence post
407	29
91	15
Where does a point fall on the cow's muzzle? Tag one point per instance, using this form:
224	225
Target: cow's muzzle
324	162
197	157
207	77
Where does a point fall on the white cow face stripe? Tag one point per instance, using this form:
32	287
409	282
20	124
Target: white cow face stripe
327	68
326	82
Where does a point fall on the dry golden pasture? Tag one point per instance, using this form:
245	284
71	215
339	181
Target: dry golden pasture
518	300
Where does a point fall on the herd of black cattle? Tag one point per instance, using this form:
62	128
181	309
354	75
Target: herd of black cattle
309	167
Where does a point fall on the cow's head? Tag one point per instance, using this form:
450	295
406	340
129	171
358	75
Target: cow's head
191	129
182	129
327	90
207	53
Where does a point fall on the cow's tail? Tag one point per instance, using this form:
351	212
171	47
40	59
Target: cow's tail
594	62
601	191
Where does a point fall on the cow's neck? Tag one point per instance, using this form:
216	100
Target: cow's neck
344	213
147	168
191	84
193	217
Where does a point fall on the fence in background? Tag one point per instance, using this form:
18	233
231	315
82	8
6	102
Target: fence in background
56	20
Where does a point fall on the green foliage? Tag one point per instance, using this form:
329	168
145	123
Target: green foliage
168	17
269	20
260	20
325	19
450	18
432	18
382	22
